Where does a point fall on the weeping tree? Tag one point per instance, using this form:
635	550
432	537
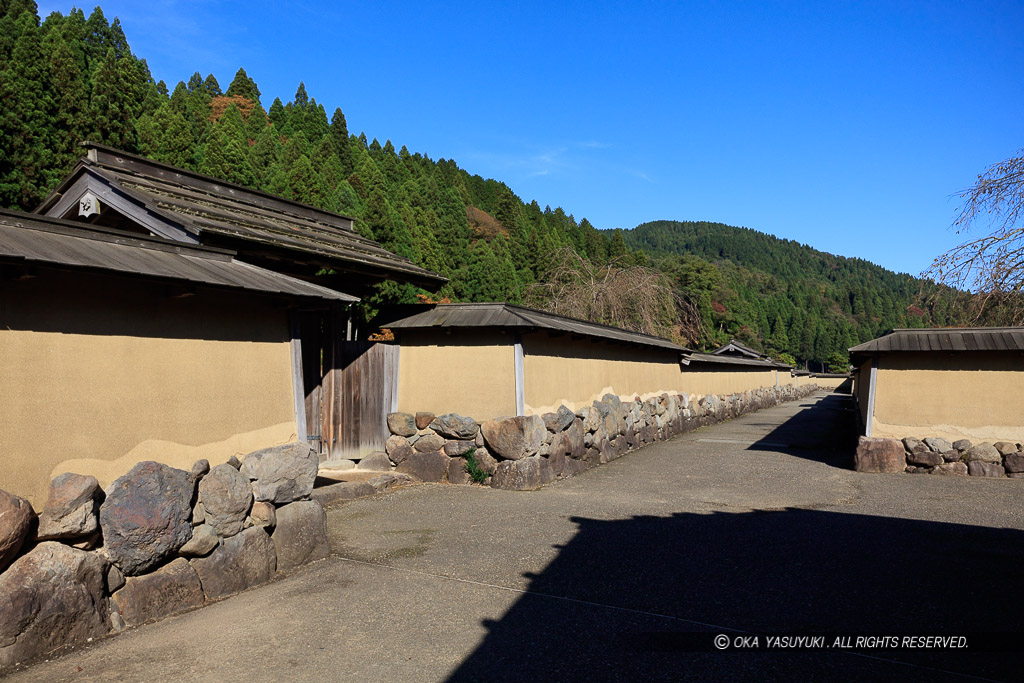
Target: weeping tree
628	296
988	270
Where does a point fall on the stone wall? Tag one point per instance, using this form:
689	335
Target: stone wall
524	453
158	541
935	455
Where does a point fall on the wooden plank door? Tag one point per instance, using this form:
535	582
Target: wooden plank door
360	390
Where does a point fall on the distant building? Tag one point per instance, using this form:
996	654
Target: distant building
736	349
494	359
962	383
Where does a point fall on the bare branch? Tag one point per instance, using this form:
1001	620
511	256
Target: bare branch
988	271
631	297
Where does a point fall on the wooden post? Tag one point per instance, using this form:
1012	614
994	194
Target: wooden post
298	388
520	389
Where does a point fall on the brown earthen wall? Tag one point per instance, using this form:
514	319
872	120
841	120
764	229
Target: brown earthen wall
99	373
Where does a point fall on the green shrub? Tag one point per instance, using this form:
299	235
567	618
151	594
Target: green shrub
476	473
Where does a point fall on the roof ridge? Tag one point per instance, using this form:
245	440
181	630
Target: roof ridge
103	233
587	322
89	144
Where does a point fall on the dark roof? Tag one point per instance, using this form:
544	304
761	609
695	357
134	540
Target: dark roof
202	205
719	359
736	347
946	339
508	316
31	239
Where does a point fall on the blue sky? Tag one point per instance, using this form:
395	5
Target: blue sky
848	126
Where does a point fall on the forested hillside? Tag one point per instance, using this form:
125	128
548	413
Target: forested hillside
73	77
783	296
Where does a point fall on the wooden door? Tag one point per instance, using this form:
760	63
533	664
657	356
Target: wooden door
360	389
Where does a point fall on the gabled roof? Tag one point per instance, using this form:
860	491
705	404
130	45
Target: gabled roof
202	208
945	339
726	359
30	239
509	316
736	348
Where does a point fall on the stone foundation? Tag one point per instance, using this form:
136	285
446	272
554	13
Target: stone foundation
157	542
938	456
523	453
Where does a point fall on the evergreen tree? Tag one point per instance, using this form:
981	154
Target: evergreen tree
116	101
166	136
243	86
26	119
211	86
340	141
277	114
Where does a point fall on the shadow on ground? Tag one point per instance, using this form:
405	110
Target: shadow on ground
824	431
621	595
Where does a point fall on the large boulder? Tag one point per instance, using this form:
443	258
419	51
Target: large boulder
879	455
983	452
616	405
559	420
609	420
343	490
263	514
397	448
246	559
914	445
484	460
573	466
951	468
169	590
300	535
402	424
1014	463
147	516
925	458
983	468
457	449
378	461
70	509
513	438
458	473
591	418
227	497
425	466
524	474
556	461
1005	447
15	521
281	474
204	540
429	442
574	434
938	445
454	426
52	596
560	447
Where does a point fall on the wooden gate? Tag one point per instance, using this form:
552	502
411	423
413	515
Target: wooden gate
359	390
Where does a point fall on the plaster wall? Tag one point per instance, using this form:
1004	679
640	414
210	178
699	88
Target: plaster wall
700	380
823	382
575	372
470	373
99	373
974	396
